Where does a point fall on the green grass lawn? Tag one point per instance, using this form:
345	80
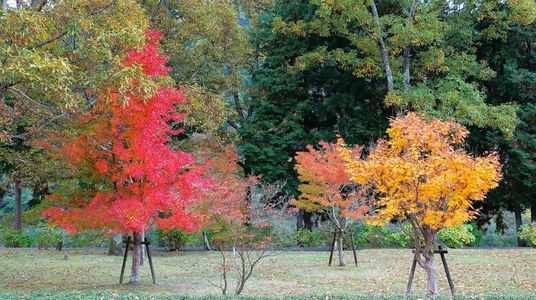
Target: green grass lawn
380	272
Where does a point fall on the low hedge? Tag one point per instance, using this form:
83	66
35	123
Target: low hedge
105	295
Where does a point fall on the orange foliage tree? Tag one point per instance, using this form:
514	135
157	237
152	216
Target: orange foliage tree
327	188
423	176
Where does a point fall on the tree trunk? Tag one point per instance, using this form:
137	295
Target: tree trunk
500	226
304	219
383	49
299	220
116	245
206	244
18	205
136	259
142	249
533	212
519	222
340	249
407	66
431	275
308	220
425	256
407	50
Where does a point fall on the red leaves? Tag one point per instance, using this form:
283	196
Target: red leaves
149	59
140	180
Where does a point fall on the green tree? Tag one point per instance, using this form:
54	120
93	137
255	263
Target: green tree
514	61
423	50
291	109
210	55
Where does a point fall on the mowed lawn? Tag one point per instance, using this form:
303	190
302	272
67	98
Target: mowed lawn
380	271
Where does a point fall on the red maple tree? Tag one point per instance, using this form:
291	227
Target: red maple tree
137	180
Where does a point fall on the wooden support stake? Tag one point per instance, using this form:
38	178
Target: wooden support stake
441	253
411	274
150	260
124	260
332	248
353	248
447	272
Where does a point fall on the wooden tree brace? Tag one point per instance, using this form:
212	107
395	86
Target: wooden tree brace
145	242
333	247
441	253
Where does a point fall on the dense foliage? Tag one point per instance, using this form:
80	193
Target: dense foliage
122	150
230	109
422	176
326	188
514	62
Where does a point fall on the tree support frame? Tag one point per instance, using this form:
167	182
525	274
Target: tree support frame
127	243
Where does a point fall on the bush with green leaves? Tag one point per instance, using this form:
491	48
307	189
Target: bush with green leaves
307	238
300	238
47	236
283	239
41	236
377	236
173	240
384	236
528	233
88	238
402	238
16	239
457	237
479	236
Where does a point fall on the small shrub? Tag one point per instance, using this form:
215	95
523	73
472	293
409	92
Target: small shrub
16	239
402	239
195	240
284	239
528	233
374	236
88	238
173	240
496	239
307	238
457	237
302	238
479	237
47	237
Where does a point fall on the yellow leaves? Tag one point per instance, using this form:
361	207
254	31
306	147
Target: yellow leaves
432	219
59	52
307	205
297	28
23	28
394	99
523	11
206	110
420	173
